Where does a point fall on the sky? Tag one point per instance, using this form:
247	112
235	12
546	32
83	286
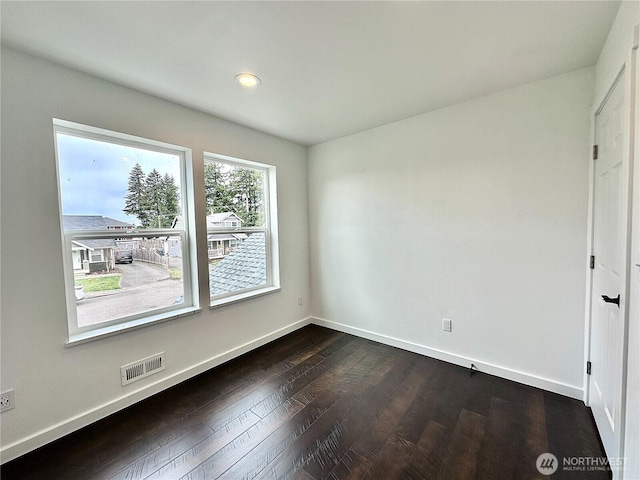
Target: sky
94	174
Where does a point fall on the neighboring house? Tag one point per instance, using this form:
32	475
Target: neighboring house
98	253
218	244
172	246
245	267
221	244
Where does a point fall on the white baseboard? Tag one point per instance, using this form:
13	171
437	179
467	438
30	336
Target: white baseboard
27	444
499	371
70	425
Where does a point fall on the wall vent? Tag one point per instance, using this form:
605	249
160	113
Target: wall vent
142	368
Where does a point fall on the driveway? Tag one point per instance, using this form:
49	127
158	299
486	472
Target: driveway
141	273
144	287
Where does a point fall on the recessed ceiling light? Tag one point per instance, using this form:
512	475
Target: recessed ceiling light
247	80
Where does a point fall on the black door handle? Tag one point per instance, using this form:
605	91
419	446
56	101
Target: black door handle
612	300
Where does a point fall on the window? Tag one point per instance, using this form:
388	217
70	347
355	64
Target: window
126	207
241	228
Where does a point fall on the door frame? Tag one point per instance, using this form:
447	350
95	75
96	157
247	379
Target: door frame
629	68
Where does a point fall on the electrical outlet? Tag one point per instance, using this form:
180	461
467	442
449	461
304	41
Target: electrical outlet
446	325
7	400
300	300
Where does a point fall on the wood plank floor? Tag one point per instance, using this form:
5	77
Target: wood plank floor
319	404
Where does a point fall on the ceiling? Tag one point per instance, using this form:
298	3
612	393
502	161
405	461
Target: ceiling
328	69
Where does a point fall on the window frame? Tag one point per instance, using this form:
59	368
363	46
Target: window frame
270	231
191	304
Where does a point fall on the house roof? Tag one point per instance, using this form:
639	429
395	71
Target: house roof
92	222
95	243
113	223
214	218
227	236
245	267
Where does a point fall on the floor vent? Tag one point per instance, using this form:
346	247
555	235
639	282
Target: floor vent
142	368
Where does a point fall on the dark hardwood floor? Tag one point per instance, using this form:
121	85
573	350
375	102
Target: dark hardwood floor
319	404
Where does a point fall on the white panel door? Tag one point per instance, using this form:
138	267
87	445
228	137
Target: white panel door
609	247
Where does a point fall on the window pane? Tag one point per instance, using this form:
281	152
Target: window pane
244	267
131	276
120	185
126	185
235	195
238	228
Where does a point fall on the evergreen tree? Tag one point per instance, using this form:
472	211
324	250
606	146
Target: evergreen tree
216	190
236	189
134	200
154	199
153	193
247	189
170	201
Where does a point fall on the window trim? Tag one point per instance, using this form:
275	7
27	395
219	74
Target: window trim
78	335
270	230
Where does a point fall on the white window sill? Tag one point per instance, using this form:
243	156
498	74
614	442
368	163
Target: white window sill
221	302
111	330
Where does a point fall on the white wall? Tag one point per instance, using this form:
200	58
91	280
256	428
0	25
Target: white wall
617	51
58	389
617	47
476	213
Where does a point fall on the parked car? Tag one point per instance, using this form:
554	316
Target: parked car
79	292
124	256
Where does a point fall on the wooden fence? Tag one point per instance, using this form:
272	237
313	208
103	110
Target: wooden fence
150	256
